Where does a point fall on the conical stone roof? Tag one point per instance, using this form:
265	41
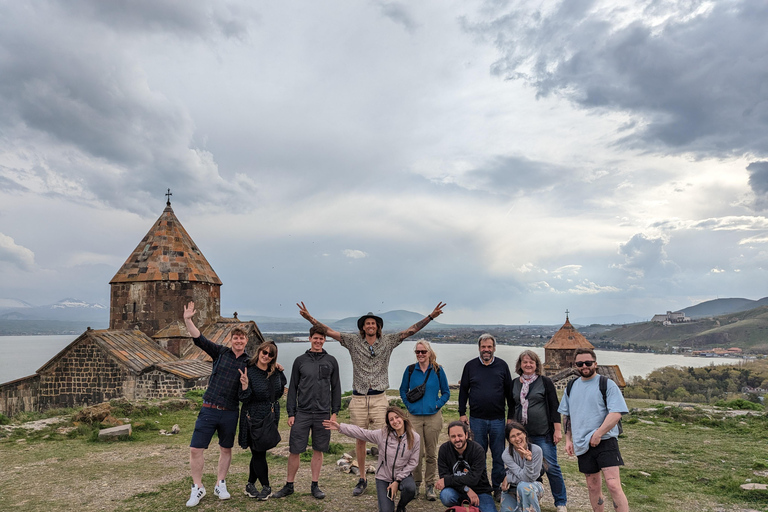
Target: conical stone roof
166	253
568	338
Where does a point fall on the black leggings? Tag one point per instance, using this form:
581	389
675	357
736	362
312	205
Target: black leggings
259	468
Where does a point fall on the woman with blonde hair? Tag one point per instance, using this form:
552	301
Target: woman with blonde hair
424	391
262	385
398	454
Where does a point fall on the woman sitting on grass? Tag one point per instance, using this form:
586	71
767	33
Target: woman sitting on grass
398	456
522	461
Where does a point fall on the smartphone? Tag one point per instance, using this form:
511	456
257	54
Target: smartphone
389	494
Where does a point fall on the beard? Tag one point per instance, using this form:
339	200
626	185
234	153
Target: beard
587	372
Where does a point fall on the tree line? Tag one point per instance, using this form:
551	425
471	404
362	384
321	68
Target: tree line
704	385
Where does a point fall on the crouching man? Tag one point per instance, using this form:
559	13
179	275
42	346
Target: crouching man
463	471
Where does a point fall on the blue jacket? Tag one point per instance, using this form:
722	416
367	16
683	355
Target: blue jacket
431	402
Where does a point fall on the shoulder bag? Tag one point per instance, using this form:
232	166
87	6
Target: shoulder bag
417	393
263	431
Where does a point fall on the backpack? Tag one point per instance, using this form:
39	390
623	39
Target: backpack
603	389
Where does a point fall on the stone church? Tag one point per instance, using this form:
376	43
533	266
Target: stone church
558	358
147	351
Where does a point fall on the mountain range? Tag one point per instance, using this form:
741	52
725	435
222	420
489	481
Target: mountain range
71	314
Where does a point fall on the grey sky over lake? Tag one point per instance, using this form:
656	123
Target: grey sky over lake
510	158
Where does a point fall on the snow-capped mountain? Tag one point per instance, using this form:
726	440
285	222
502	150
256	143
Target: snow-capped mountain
69	309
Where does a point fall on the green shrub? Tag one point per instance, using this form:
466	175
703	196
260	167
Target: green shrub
4	420
740	404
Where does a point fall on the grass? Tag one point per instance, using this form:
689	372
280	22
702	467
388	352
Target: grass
696	460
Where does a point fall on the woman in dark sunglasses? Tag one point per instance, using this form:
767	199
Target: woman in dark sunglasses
262	385
424	412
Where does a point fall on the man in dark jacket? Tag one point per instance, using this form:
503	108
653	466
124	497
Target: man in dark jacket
314	395
463	471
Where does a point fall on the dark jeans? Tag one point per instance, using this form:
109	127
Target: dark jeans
450	497
554	475
407	490
490	434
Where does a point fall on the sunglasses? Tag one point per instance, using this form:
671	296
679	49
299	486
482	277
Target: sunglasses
373	352
267	353
421	352
584	363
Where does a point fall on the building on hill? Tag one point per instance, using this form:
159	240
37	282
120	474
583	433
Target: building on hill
671	317
147	351
559	357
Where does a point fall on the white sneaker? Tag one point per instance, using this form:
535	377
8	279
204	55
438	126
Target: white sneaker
562	508
221	490
195	496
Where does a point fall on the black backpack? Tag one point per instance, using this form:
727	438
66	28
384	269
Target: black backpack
603	389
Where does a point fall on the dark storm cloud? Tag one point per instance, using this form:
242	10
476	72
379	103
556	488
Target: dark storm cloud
511	176
645	257
694	77
398	13
83	111
758	180
193	18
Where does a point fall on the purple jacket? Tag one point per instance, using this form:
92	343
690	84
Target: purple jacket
396	461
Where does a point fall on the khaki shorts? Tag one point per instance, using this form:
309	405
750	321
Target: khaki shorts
368	411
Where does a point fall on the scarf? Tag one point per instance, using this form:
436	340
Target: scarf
527	381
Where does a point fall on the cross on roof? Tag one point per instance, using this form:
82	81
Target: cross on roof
168	197
566	314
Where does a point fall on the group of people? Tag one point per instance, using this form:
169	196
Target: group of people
522	413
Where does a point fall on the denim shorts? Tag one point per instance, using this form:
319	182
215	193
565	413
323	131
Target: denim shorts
213	420
604	455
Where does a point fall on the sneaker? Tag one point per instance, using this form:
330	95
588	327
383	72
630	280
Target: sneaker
251	491
195	496
317	493
562	508
431	495
265	493
221	490
497	495
360	487
287	490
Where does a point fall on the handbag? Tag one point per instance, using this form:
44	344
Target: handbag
464	507
417	393
263	431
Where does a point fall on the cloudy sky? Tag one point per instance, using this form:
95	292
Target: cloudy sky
511	158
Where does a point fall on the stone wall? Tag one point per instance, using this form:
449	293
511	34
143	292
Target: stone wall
19	395
160	384
152	305
82	376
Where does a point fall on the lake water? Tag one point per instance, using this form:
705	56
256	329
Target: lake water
23	355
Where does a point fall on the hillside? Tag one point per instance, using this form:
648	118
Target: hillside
747	330
718	307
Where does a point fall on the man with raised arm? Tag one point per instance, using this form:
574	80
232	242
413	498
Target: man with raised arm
593	414
370	351
220	409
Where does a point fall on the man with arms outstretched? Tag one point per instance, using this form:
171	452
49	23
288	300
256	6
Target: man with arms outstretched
220	409
593	432
370	351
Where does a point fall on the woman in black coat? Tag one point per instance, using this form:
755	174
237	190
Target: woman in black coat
262	385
